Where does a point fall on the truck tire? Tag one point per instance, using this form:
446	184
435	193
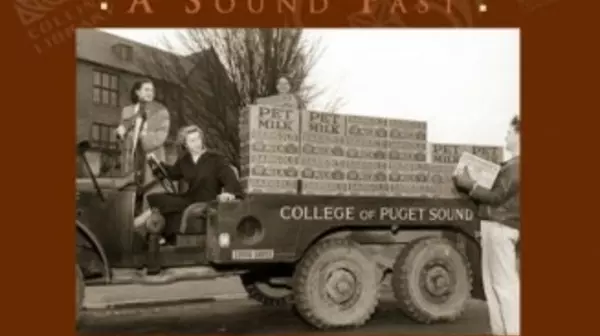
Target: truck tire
336	285
431	280
264	293
79	293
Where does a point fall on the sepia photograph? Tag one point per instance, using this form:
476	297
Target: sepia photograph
290	180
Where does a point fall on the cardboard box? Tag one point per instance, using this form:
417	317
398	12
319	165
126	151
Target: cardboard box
404	129
407	130
368	142
261	122
322	168
368	189
364	153
407	166
357	164
366	127
270	149
447	153
269	185
321	123
322	158
409	189
396	155
493	154
400	150
267	159
451	153
270	171
482	171
408	176
440	176
366	176
314	187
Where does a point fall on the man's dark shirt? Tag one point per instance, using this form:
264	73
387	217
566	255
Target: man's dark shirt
502	203
206	178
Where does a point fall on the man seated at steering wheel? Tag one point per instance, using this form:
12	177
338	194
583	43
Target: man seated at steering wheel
208	175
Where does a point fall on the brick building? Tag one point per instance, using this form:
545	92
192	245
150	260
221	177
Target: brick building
107	66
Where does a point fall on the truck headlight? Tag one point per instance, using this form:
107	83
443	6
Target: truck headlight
224	240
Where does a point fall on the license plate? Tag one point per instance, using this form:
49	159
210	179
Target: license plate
252	254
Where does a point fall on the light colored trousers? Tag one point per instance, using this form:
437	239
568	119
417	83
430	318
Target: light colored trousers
501	281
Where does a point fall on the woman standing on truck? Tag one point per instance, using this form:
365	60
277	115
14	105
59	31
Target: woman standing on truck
499	210
143	128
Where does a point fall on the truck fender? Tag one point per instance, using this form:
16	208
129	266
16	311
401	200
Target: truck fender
91	238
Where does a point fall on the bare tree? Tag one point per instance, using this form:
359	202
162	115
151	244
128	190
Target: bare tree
227	69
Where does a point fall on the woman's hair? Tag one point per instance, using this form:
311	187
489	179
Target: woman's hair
135	88
185	131
515	123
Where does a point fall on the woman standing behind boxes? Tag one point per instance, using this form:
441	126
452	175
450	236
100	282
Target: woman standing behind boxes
144	128
499	210
284	97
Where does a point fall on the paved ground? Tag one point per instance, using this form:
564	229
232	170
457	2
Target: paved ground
240	316
247	317
102	297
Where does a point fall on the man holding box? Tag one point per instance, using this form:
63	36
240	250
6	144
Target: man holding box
499	210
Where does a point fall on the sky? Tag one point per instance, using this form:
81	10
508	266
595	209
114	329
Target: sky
464	82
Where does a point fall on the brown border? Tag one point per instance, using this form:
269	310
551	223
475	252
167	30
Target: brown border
38	257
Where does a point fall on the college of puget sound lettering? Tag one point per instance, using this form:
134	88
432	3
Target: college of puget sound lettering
381	213
313	7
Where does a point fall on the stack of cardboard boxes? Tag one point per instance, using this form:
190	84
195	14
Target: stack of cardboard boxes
270	149
322	156
285	151
367	156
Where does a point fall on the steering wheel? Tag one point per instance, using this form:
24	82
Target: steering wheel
159	171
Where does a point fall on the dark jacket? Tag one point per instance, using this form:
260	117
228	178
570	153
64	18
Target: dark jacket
205	179
502	203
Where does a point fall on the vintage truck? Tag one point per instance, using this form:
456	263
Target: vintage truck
323	256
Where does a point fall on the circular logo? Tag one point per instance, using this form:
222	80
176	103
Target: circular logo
308	173
307	149
352	152
381	132
291	172
420	157
337	151
379	155
380	177
352	175
337	175
291	148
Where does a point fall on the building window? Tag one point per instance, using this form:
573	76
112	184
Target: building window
104	137
104	141
106	89
124	52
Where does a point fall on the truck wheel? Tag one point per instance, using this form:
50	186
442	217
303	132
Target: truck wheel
79	293
261	291
431	280
336	285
